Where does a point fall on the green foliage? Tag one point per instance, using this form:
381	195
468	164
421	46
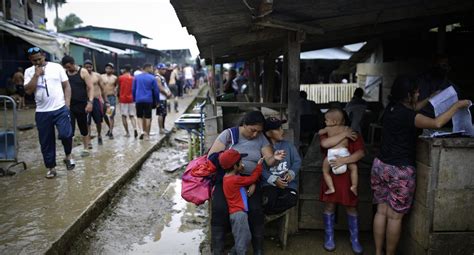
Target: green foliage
71	21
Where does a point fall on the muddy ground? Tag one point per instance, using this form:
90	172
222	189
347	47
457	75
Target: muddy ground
149	216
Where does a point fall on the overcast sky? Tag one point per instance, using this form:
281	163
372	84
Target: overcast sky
153	18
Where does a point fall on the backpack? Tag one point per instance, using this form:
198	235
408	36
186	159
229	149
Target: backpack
197	179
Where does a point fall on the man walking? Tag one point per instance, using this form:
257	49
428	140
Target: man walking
50	84
164	94
82	94
145	93
110	90
97	103
173	85
127	107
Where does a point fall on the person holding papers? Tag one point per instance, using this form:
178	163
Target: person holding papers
393	170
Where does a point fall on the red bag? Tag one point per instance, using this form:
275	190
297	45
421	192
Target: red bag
196	180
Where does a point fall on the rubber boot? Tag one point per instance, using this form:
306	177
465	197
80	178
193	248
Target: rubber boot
352	220
329	219
217	240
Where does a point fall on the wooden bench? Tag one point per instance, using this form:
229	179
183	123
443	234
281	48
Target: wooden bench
284	218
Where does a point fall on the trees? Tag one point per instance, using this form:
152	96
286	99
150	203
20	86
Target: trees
55	3
71	21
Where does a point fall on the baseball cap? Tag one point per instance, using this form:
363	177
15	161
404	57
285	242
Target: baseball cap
109	64
273	123
87	61
161	66
228	158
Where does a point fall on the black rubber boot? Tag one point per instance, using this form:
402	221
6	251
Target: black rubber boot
217	240
257	240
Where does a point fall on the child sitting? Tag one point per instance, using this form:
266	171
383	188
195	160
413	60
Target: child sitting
236	196
334	120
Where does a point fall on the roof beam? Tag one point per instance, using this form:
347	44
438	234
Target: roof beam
292	26
256	37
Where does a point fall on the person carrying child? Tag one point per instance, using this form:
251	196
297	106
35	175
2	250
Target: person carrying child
342	184
235	192
334	119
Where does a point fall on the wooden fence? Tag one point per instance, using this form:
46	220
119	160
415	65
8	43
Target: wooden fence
324	93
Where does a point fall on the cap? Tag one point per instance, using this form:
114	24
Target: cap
109	64
273	123
161	66
88	61
230	157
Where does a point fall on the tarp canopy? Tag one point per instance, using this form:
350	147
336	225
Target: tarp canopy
331	53
53	45
84	42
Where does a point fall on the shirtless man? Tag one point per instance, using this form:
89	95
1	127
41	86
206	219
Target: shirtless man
98	103
110	83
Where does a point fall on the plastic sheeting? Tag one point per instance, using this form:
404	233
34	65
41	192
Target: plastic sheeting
53	45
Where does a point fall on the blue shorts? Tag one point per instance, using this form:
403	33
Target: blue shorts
113	102
161	108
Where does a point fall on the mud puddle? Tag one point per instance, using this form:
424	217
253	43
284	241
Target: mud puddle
148	216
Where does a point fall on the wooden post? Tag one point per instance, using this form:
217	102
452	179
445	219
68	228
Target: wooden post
213	83
258	68
269	78
4	9
221	80
292	60
294	50
252	80
284	79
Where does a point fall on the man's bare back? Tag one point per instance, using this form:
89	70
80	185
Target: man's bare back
109	84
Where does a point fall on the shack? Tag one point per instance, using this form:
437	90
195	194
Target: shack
401	38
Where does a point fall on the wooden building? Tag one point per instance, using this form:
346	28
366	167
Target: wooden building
137	53
401	37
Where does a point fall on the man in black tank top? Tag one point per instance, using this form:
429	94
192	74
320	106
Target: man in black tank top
82	94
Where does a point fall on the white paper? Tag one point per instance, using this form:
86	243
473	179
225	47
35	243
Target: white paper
462	122
444	100
445	134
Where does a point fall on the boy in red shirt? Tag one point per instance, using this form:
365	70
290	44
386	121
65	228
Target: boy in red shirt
236	195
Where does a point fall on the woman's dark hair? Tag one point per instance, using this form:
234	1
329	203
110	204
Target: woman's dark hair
359	92
253	118
402	87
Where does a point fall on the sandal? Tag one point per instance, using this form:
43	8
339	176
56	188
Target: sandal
70	164
51	174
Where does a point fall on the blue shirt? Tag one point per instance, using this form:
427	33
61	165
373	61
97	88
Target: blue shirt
145	88
291	163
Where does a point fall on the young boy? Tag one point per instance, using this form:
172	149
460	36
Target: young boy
334	120
235	192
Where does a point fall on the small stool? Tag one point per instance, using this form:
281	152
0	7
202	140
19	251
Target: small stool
283	229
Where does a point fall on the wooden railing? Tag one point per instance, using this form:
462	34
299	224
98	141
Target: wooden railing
324	93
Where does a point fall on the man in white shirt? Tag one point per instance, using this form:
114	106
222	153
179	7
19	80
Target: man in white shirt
189	78
50	84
